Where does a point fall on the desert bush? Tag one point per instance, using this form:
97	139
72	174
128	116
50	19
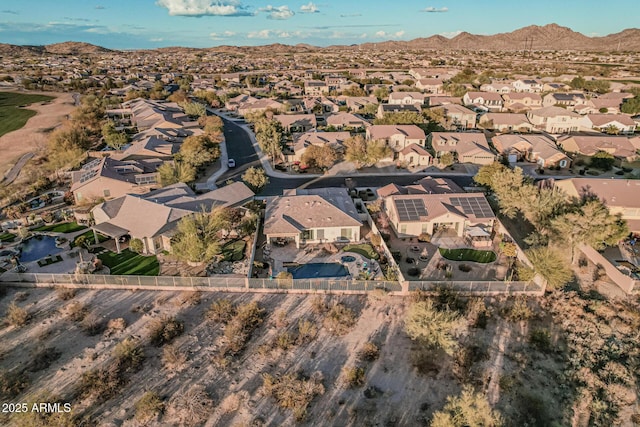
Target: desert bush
446	297
191	299
173	357
307	331
115	325
281	319
21	297
101	383
368	352
66	294
41	357
164	330
377	295
232	402
477	313
353	376
540	339
292	392
468	409
285	341
339	320
319	304
12	383
148	407
520	310
432	327
525	273
507	382
221	311
239	329
191	407
425	360
17	316
76	311
44	419
465	268
129	354
464	360
91	324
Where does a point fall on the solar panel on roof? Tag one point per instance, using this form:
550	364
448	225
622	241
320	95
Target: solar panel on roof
410	209
476	206
92	164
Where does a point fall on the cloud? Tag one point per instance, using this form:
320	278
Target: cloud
327	27
309	8
384	34
156	40
350	15
432	9
277	12
262	34
100	7
451	34
281	34
11	12
222	36
199	8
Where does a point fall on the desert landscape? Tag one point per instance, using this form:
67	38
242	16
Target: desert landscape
134	358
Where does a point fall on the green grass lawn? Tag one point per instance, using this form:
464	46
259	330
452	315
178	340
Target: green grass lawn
7	237
474	255
65	227
234	251
364	249
130	263
11	116
89	235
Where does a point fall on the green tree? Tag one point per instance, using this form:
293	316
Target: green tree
432	327
469	409
486	174
112	137
322	156
136	246
269	135
211	125
631	106
381	93
401	118
196	239
256	178
194	109
198	150
602	160
365	153
176	171
510	188
550	264
447	159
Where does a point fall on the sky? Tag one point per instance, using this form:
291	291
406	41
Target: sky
143	24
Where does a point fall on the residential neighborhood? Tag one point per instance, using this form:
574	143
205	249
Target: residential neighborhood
318	221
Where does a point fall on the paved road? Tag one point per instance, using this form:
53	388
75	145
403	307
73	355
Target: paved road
240	148
15	170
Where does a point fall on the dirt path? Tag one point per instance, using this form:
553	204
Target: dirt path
32	137
15	170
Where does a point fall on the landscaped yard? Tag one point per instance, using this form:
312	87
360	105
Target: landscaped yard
130	263
12	117
65	227
7	237
234	251
89	236
468	255
364	249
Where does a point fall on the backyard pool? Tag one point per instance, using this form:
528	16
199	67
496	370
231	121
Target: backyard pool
318	270
38	247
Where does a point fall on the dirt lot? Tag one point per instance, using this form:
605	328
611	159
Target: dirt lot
216	384
33	136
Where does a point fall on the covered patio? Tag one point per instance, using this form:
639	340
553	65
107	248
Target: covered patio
109	230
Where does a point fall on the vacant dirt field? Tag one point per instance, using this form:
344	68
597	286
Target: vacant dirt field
33	135
217	360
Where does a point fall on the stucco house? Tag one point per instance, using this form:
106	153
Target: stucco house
521	101
619	147
528	85
459	116
342	120
384	109
303	141
397	137
153	217
489	100
506	122
555	120
532	148
414	155
602	122
467	147
430	85
568	100
406	98
312	216
620	195
297	122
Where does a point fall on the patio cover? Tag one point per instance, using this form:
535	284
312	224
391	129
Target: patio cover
110	230
477	232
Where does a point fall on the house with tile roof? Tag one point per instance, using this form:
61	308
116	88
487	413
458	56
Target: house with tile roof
531	148
312	216
397	137
489	101
467	147
619	147
603	122
347	120
303	141
297	122
414	155
505	122
153	217
521	101
555	120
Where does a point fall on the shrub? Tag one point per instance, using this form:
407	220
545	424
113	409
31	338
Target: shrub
42	357
221	311
17	316
66	294
76	311
238	331
129	354
172	357
464	268
525	273
424	237
353	377
541	339
12	383
306	331
136	245
432	327
190	298
467	409
519	310
102	382
191	407
319	304
164	330
91	324
281	321
285	341
292	392
21	296
340	319
115	325
369	352
148	407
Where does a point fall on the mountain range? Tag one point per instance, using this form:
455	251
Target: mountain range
533	37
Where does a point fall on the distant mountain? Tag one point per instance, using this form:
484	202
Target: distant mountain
534	37
66	48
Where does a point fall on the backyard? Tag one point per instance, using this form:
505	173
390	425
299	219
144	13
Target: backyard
466	254
12	117
130	263
65	227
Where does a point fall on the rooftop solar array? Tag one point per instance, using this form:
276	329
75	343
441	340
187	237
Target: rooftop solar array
92	164
410	209
86	176
476	206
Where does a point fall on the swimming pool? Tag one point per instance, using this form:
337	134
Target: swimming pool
37	247
318	270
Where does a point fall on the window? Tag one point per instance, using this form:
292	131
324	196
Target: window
403	228
320	234
425	227
345	233
307	235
